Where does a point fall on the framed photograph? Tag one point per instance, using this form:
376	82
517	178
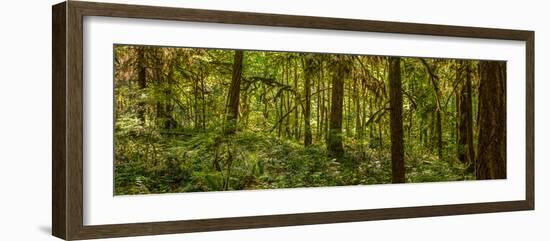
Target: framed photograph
171	120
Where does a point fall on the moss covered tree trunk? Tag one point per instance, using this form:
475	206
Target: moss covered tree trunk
308	74
491	159
234	93
334	143
438	108
396	121
466	151
142	82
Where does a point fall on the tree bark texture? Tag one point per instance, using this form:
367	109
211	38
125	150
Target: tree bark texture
396	121
335	145
491	159
234	93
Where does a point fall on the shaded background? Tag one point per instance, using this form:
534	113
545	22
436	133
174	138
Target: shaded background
25	120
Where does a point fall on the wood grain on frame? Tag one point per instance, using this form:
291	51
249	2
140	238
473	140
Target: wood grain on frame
58	121
67	121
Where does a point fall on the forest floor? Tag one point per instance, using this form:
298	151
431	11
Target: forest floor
210	161
192	161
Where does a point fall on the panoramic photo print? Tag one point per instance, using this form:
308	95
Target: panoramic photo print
199	120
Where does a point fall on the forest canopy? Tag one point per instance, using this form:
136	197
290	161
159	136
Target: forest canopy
196	119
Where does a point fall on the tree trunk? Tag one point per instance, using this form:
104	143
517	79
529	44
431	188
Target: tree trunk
358	125
328	98
142	83
319	123
295	123
335	145
439	135
196	118
169	121
234	93
288	130
203	100
491	159
465	130
411	113
164	106
308	74
435	82
364	112
396	121
348	111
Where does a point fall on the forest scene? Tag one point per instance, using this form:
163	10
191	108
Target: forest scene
197	120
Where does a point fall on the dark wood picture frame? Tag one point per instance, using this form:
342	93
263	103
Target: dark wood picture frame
67	123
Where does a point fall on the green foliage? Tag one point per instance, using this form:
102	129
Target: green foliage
188	163
171	109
